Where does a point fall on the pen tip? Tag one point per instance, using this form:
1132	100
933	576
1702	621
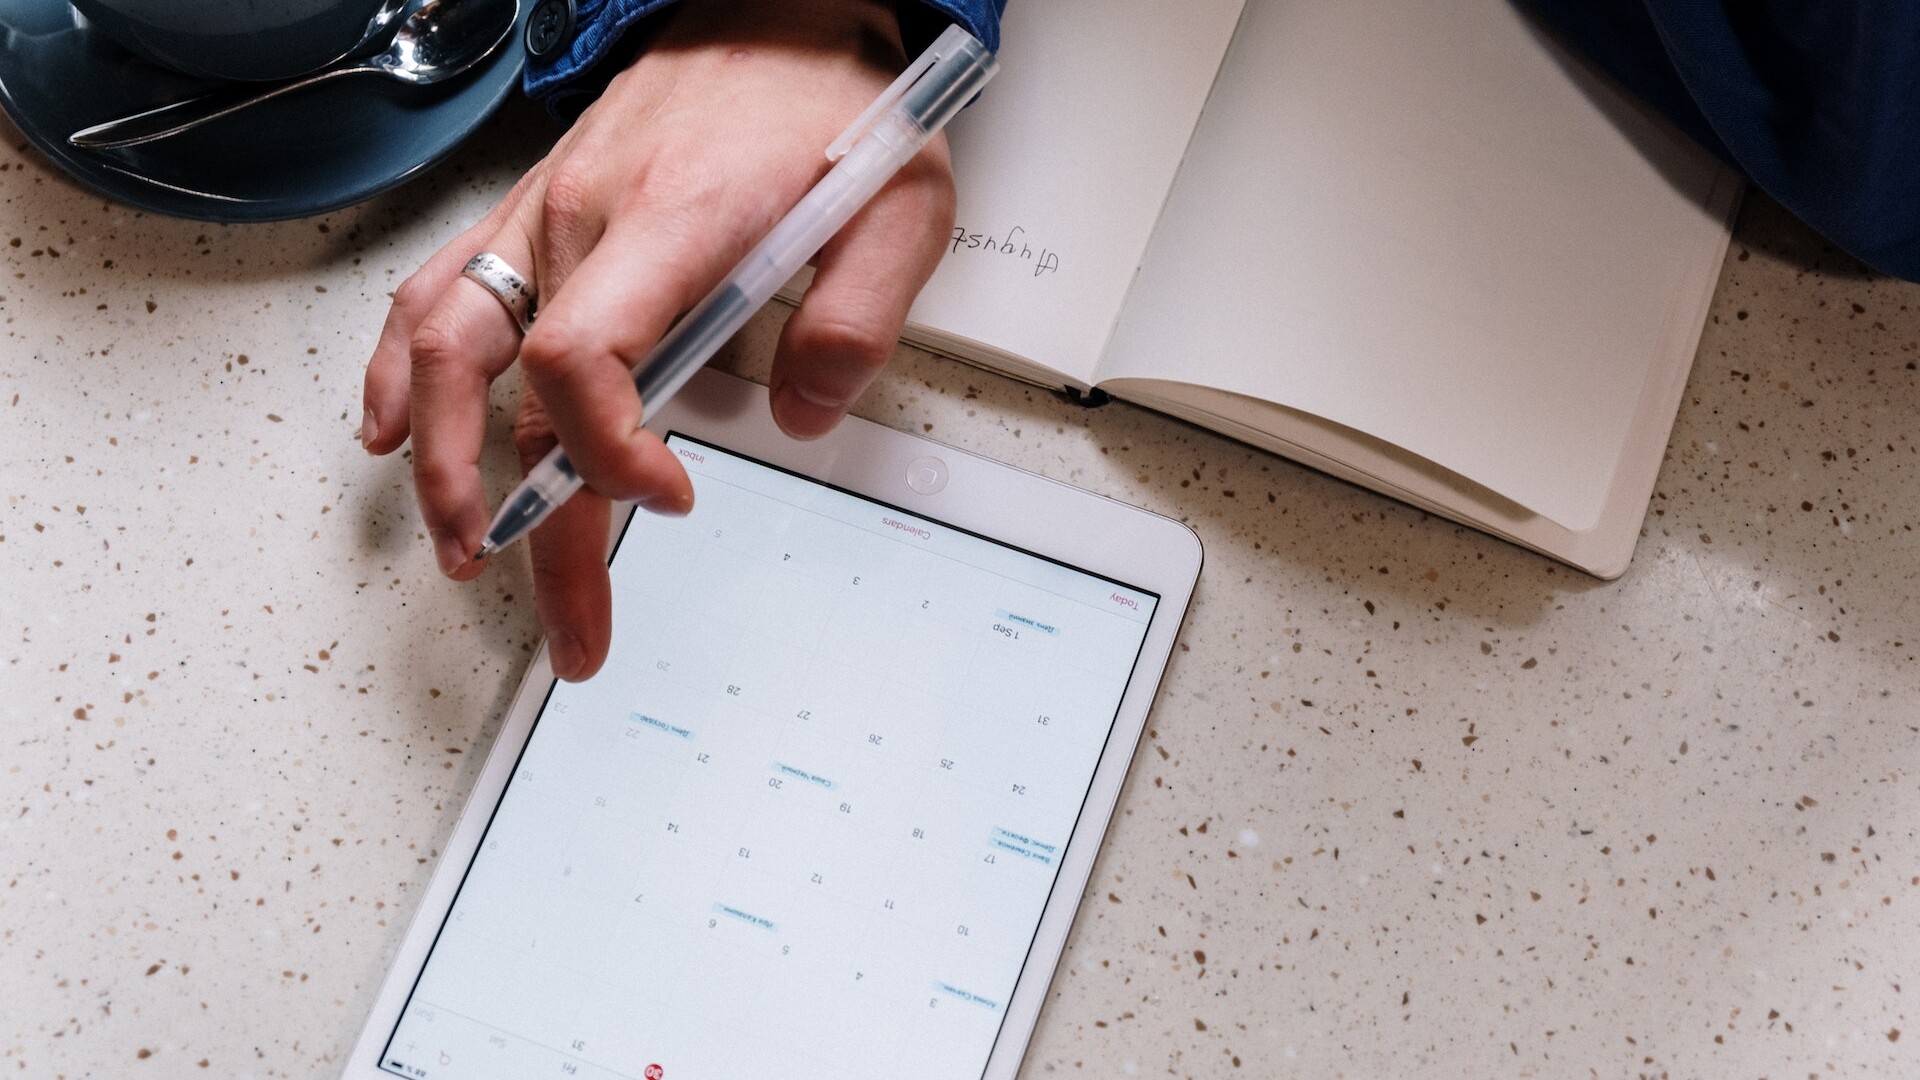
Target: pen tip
486	549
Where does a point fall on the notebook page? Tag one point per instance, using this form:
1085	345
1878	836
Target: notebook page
1417	220
1062	166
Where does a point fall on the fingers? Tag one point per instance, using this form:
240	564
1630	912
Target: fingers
865	280
579	357
456	352
384	423
384	396
570	587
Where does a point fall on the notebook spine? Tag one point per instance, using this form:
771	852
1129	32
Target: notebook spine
1091	398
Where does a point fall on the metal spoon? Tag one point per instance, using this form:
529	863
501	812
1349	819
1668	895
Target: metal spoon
377	31
438	40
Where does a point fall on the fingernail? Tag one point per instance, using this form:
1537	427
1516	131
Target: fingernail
447	548
564	654
667	505
369	428
806	413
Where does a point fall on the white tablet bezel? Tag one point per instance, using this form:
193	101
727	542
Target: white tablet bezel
1079	528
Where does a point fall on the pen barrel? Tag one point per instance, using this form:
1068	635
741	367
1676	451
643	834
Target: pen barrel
832	202
956	76
693	340
547	485
700	333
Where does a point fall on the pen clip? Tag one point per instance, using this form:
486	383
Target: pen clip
948	39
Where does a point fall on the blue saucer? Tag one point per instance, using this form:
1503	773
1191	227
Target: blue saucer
313	151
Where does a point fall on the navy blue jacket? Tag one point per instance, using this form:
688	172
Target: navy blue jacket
1817	101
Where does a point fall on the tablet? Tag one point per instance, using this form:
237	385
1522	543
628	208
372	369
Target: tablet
829	807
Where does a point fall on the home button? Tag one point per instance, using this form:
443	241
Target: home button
927	475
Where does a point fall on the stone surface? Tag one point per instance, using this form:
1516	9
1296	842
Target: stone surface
1413	801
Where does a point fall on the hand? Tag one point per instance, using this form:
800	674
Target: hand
683	164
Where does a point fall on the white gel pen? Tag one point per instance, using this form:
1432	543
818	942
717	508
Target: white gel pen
885	137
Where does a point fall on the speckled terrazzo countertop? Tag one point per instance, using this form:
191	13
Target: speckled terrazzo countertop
1413	801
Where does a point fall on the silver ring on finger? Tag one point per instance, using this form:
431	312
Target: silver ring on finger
497	276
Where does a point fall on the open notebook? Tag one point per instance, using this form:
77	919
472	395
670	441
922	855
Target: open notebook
1416	245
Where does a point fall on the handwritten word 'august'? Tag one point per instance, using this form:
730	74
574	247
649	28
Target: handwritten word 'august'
1013	244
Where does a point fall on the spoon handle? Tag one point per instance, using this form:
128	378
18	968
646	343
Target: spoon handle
179	116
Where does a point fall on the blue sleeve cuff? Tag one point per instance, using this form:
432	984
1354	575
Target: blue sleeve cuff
603	28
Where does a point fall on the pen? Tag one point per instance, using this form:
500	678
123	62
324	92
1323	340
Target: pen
884	137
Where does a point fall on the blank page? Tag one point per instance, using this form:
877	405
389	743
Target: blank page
1426	222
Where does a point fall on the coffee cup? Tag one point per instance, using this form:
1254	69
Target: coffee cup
234	39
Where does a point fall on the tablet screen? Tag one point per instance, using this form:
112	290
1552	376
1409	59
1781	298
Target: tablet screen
806	819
